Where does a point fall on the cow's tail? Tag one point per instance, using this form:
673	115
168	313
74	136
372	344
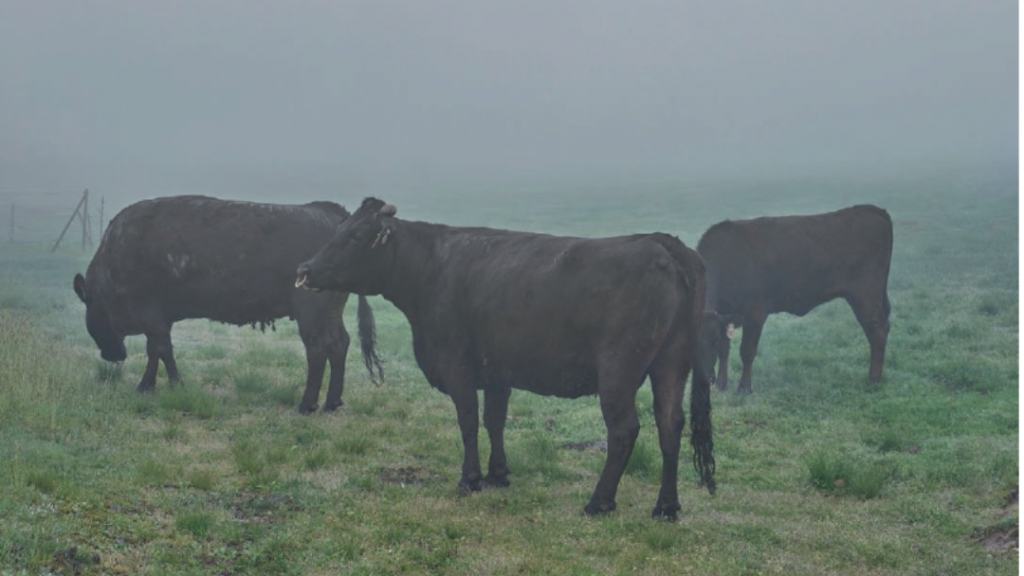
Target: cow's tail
368	341
700	389
700	430
692	267
887	306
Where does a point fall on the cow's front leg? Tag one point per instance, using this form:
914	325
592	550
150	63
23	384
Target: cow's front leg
467	408
158	347
724	347
495	411
148	382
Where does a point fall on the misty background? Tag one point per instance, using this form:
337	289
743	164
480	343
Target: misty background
245	99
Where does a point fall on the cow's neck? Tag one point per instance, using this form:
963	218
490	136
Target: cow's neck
417	265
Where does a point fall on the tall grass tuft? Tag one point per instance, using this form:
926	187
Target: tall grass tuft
354	443
43	480
317	460
645	461
152	472
108	372
842	476
34	374
247	457
888	440
198	524
202	479
189	400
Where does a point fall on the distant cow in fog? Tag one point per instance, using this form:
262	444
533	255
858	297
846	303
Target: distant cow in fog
793	264
170	259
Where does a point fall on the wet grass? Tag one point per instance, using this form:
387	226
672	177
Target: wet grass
818	472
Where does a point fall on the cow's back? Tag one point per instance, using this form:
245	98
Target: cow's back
532	311
201	257
794	263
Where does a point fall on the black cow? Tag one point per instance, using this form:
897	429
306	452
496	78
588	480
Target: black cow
169	259
793	264
494	310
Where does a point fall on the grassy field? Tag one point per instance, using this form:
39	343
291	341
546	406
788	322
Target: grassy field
818	472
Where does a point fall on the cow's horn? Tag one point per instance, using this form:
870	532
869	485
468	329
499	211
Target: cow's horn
388	210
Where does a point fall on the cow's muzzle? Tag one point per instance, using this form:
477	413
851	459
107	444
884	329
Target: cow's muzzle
303	275
117	355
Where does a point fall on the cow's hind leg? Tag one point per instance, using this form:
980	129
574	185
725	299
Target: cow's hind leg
618	406
668	382
873	315
495	411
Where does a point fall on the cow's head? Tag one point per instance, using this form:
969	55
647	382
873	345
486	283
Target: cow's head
358	256
97	322
715	331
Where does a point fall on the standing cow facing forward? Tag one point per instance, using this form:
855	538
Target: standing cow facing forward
494	310
169	259
793	264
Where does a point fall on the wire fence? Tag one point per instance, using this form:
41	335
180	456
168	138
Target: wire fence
70	219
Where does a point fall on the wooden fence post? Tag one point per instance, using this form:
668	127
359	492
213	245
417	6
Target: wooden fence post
83	216
85	196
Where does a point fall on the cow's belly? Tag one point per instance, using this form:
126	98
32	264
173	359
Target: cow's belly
238	307
567	381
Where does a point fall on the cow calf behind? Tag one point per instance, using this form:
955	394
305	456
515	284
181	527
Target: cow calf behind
793	264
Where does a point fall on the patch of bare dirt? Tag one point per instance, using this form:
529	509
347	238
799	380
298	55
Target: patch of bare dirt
407	475
73	561
262	508
592	446
1002	538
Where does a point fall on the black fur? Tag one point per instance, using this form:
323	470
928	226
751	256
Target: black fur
794	264
169	259
494	310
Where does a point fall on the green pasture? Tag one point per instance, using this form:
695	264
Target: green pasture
818	471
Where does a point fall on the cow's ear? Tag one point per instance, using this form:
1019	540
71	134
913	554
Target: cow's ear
387	228
79	285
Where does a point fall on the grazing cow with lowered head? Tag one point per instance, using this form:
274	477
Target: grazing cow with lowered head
169	259
793	264
494	310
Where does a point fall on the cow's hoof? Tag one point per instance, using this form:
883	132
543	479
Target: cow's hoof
598	508
668	512
744	390
144	388
469	486
307	410
331	407
497	481
721	385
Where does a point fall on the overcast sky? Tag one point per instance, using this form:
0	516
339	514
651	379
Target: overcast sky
117	93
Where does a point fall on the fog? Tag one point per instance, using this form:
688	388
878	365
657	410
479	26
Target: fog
223	97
